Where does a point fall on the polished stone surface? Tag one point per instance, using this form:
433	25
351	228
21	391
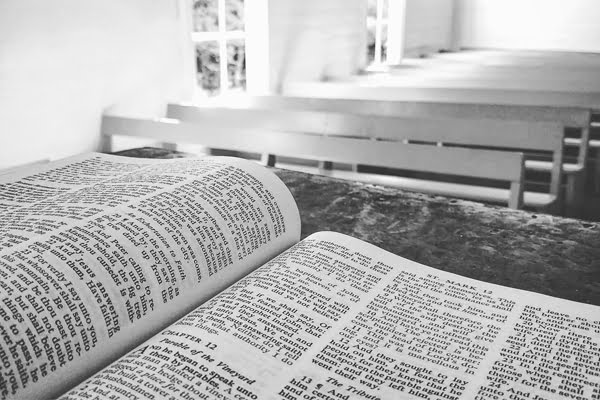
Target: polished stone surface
542	253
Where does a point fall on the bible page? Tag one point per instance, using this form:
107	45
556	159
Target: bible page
337	318
99	252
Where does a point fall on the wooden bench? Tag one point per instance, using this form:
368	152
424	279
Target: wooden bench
552	71
507	124
229	134
513	135
522	97
475	80
437	71
525	58
587	103
523	66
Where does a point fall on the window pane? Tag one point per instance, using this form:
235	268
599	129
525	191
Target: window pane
372	26
370	38
206	16
234	10
384	31
207	61
236	64
384	42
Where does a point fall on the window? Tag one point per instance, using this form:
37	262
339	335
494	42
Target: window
377	22
220	40
385	32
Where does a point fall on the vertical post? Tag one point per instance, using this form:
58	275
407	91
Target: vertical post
106	143
556	178
585	142
515	199
268	160
378	31
597	170
325	166
516	195
576	180
223	59
596	157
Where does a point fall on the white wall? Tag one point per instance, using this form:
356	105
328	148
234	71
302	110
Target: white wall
315	39
63	62
428	26
571	25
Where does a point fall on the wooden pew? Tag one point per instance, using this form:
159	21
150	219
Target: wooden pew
566	71
557	74
444	61
483	123
227	134
568	116
522	97
446	68
522	58
475	80
482	96
516	135
443	69
542	70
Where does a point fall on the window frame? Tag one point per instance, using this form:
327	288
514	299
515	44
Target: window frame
222	36
395	23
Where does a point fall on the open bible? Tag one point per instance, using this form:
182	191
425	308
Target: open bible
130	278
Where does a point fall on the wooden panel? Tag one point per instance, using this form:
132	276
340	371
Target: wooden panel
457	161
479	193
281	120
541	83
483	132
353	90
436	71
569	116
526	58
436	68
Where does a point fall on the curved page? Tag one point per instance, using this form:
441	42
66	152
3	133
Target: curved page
336	318
99	252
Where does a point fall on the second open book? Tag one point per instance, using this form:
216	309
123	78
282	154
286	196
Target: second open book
184	279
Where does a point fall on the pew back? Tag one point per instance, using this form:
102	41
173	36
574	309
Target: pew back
476	163
495	134
528	135
568	116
